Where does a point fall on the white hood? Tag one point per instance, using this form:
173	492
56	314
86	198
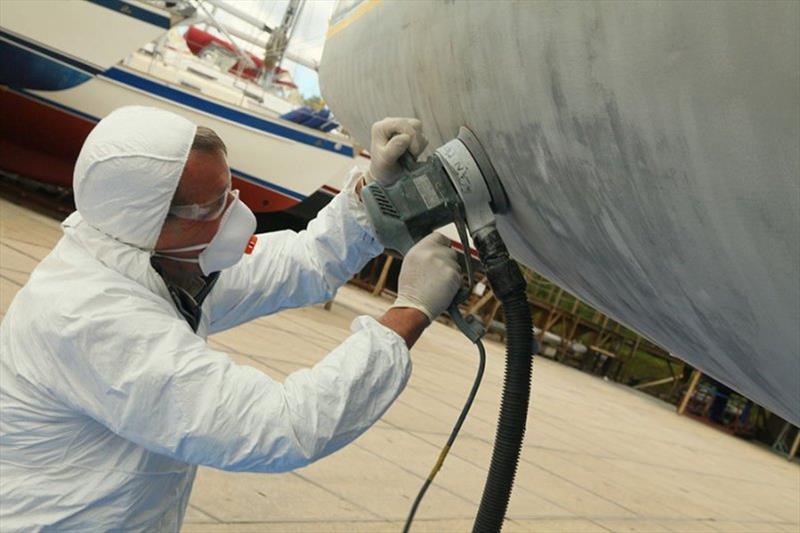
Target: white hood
128	170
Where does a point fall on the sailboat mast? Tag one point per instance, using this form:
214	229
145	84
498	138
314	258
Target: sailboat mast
279	39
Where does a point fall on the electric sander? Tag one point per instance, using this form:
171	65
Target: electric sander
456	184
459	184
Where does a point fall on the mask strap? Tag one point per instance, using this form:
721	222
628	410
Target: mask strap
184	249
166	253
179	259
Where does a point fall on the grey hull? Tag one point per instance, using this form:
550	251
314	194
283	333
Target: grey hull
651	153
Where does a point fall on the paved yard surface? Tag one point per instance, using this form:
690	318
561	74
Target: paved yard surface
597	456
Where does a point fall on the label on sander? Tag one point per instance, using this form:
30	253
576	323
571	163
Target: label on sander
426	191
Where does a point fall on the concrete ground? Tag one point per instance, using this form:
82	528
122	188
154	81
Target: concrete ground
597	456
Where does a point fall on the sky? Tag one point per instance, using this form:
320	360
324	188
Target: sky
307	40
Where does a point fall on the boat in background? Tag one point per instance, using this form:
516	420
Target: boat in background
65	65
650	152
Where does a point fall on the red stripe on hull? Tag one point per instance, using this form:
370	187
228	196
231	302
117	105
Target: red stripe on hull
260	199
39	141
458	246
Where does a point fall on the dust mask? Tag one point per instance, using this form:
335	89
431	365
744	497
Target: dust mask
233	239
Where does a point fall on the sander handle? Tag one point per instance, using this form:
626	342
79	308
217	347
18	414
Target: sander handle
408	162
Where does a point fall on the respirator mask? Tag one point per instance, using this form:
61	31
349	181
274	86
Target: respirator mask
234	238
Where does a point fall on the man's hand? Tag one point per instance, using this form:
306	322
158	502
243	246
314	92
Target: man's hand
429	280
430	276
391	137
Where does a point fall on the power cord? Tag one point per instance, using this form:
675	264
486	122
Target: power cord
453	434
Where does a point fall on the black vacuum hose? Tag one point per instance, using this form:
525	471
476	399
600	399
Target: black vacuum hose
509	287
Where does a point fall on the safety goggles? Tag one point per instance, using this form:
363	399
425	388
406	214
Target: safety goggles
207	211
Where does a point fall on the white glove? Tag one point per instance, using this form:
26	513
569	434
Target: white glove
430	276
391	137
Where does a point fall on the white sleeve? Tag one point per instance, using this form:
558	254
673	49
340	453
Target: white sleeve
289	269
149	379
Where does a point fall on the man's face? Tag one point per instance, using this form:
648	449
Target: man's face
206	177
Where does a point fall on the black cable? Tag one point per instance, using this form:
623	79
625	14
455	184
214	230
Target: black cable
453	434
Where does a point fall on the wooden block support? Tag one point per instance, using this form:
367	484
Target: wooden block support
566	342
382	278
696	375
487	322
602	351
795	446
481	302
654	383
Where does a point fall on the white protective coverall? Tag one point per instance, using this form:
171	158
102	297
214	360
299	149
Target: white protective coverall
110	400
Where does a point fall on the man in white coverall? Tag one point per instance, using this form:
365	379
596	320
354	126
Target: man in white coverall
110	394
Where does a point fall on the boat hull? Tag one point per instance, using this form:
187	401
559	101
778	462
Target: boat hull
55	85
96	32
42	136
650	151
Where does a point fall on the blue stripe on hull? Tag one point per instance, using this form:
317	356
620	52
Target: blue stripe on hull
238	173
221	111
120	6
23	73
22	68
35	48
272	186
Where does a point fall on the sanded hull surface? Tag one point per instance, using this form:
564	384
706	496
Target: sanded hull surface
650	151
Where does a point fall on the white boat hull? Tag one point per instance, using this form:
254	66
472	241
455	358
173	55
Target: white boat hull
65	79
95	32
650	151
